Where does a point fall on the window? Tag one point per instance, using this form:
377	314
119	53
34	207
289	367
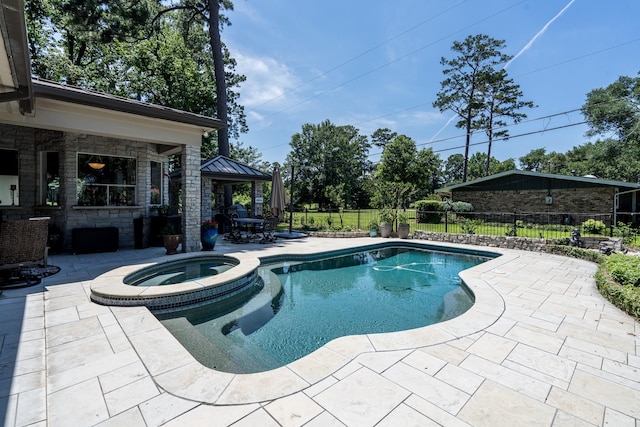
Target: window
9	186
106	180
156	183
50	178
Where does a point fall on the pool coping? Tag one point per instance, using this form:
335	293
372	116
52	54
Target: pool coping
174	369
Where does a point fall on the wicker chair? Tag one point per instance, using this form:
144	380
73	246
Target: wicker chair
23	242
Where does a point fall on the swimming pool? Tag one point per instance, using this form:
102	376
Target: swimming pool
301	305
181	271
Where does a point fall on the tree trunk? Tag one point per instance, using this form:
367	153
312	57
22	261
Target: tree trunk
221	87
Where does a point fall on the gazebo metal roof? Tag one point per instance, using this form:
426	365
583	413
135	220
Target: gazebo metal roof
223	168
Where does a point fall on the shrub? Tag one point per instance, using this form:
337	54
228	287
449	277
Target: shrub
461	207
469	226
427	211
591	226
624	269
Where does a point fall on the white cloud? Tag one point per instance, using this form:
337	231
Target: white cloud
269	83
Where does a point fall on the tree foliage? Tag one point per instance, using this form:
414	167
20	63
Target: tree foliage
325	156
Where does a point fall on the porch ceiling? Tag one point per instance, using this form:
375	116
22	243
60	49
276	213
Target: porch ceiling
16	93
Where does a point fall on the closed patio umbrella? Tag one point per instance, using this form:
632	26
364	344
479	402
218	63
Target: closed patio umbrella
278	198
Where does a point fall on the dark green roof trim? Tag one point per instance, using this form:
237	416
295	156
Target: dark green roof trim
513	178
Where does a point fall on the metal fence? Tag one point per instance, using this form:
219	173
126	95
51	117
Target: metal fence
548	225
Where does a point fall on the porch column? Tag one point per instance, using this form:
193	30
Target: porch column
191	198
207	189
256	198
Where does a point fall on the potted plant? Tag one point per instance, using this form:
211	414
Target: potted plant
403	225
171	239
373	228
386	222
208	234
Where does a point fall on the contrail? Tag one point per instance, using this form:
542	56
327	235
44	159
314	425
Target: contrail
541	32
523	50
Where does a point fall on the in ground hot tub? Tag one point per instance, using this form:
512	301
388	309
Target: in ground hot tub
186	281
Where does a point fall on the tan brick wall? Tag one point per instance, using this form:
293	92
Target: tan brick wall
575	200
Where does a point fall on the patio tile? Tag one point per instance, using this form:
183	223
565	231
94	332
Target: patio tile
61	316
609	393
362	399
130	395
406	416
378	362
194	381
543	341
446	352
585	409
262	386
432	389
492	347
435	413
31	408
164	407
424	362
295	410
122	376
460	378
93	367
71	332
615	418
511	409
203	415
325	419
596	349
319	364
507	377
130	418
543	362
257	418
563	419
63	409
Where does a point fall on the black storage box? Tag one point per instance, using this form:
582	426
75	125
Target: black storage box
93	240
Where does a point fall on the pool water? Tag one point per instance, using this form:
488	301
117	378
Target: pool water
300	306
180	271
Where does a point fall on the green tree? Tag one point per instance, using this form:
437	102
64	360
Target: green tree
452	169
615	110
327	155
478	162
381	137
502	100
534	160
467	76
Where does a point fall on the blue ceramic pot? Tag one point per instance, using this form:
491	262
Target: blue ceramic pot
208	239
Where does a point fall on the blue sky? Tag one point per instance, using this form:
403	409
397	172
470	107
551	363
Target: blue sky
375	64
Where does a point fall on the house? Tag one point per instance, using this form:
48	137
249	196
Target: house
526	191
85	159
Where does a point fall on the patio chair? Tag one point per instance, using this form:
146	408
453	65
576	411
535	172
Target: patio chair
23	243
269	229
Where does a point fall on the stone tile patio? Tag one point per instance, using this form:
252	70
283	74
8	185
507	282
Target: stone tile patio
540	347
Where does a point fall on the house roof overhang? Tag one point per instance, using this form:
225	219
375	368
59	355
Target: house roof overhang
15	69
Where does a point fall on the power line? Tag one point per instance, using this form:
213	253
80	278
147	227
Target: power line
371	49
371	71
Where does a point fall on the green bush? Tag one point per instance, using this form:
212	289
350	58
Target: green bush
469	226
591	226
427	211
461	207
626	298
624	269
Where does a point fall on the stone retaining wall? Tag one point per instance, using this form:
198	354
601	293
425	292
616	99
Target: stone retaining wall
508	242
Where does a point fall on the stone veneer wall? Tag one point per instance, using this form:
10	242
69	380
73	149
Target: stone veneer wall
508	242
572	200
191	200
31	142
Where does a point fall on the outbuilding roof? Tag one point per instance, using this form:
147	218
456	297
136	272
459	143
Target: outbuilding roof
519	180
